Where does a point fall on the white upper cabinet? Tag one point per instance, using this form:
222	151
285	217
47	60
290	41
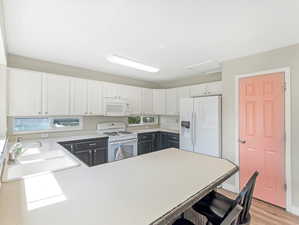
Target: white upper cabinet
133	96
159	100
197	90
212	88
171	101
78	96
33	93
56	95
147	101
182	92
24	93
110	90
95	97
114	90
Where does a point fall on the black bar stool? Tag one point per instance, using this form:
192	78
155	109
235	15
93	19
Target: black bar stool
215	206
231	218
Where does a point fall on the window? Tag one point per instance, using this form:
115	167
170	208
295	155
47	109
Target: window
27	125
142	120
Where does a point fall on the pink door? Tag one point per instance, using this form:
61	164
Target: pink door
262	135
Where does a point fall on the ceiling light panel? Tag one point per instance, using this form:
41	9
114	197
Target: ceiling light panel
131	63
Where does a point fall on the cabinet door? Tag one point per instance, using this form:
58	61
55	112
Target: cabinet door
95	97
156	141
56	95
159	101
214	88
182	92
163	141
110	90
24	93
85	156
133	95
147	101
171	101
78	96
145	147
121	91
173	144
99	156
198	90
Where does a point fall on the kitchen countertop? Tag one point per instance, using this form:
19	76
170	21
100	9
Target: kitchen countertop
154	130
2	144
142	190
42	155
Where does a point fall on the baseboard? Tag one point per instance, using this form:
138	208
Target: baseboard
294	210
229	187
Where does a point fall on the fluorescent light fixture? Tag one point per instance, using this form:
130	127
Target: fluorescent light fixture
130	63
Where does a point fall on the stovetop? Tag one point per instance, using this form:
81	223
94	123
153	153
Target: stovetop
117	133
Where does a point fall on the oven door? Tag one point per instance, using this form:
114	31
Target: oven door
122	149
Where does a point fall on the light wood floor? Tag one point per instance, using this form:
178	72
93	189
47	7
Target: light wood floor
266	214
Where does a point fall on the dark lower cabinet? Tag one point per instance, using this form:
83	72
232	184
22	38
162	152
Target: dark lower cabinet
85	156
91	151
173	144
145	147
155	141
99	156
163	140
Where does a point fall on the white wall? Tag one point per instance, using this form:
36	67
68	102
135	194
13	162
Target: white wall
3	60
279	58
3	122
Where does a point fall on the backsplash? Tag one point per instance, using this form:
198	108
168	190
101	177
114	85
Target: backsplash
169	122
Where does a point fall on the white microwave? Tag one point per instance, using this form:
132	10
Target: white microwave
115	107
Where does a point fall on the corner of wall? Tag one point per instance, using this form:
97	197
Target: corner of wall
3	101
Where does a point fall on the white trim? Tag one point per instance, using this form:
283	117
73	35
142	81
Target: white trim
288	171
294	210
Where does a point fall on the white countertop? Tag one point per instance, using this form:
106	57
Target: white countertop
135	191
43	155
2	144
51	156
154	130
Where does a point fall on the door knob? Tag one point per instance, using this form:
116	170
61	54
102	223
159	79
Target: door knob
242	141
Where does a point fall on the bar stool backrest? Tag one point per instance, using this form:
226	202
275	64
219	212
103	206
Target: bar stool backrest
245	198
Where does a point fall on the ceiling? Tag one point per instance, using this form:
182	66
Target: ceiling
168	34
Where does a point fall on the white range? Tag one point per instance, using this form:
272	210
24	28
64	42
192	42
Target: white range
121	143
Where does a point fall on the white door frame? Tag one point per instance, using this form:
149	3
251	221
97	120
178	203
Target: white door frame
288	171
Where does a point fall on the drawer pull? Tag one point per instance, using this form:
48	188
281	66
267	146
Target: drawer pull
93	144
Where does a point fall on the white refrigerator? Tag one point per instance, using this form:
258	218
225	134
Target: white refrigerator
200	125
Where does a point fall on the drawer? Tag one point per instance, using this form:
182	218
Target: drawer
146	137
174	137
84	145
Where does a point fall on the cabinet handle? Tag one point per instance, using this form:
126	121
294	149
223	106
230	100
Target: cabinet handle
39	113
46	112
93	144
